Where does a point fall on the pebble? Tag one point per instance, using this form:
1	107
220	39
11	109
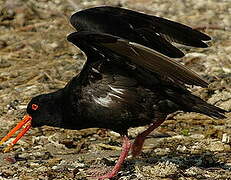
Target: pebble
92	139
181	148
197	136
228	166
50	46
225	138
10	111
179	137
7	173
216	146
55	168
162	169
34	165
79	165
112	133
42	169
19	107
162	151
193	171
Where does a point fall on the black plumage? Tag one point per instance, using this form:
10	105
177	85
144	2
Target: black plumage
127	80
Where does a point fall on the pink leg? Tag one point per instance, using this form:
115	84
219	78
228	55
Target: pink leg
139	141
125	150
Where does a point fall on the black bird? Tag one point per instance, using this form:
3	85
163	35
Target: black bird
127	80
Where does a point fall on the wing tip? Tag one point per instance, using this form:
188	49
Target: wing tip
202	36
204	83
203	45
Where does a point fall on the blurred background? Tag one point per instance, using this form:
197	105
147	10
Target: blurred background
36	58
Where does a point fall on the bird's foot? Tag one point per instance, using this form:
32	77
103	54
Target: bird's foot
139	141
137	145
125	150
107	176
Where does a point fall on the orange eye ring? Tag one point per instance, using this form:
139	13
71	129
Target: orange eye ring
34	107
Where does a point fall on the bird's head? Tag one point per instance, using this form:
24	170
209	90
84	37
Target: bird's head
44	109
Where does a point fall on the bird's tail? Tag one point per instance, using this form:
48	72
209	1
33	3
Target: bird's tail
191	103
208	109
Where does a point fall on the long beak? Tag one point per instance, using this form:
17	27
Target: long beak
26	120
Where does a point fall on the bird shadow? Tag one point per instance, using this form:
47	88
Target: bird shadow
208	161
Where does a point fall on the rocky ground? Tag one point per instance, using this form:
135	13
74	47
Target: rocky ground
36	58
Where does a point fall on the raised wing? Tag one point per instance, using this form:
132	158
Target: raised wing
154	32
111	46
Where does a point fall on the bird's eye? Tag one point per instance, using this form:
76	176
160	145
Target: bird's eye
34	107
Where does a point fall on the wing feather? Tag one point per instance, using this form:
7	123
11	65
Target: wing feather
156	62
138	54
151	31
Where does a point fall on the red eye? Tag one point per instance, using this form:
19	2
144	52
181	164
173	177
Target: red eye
34	107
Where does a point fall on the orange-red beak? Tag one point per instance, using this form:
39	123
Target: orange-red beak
26	120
